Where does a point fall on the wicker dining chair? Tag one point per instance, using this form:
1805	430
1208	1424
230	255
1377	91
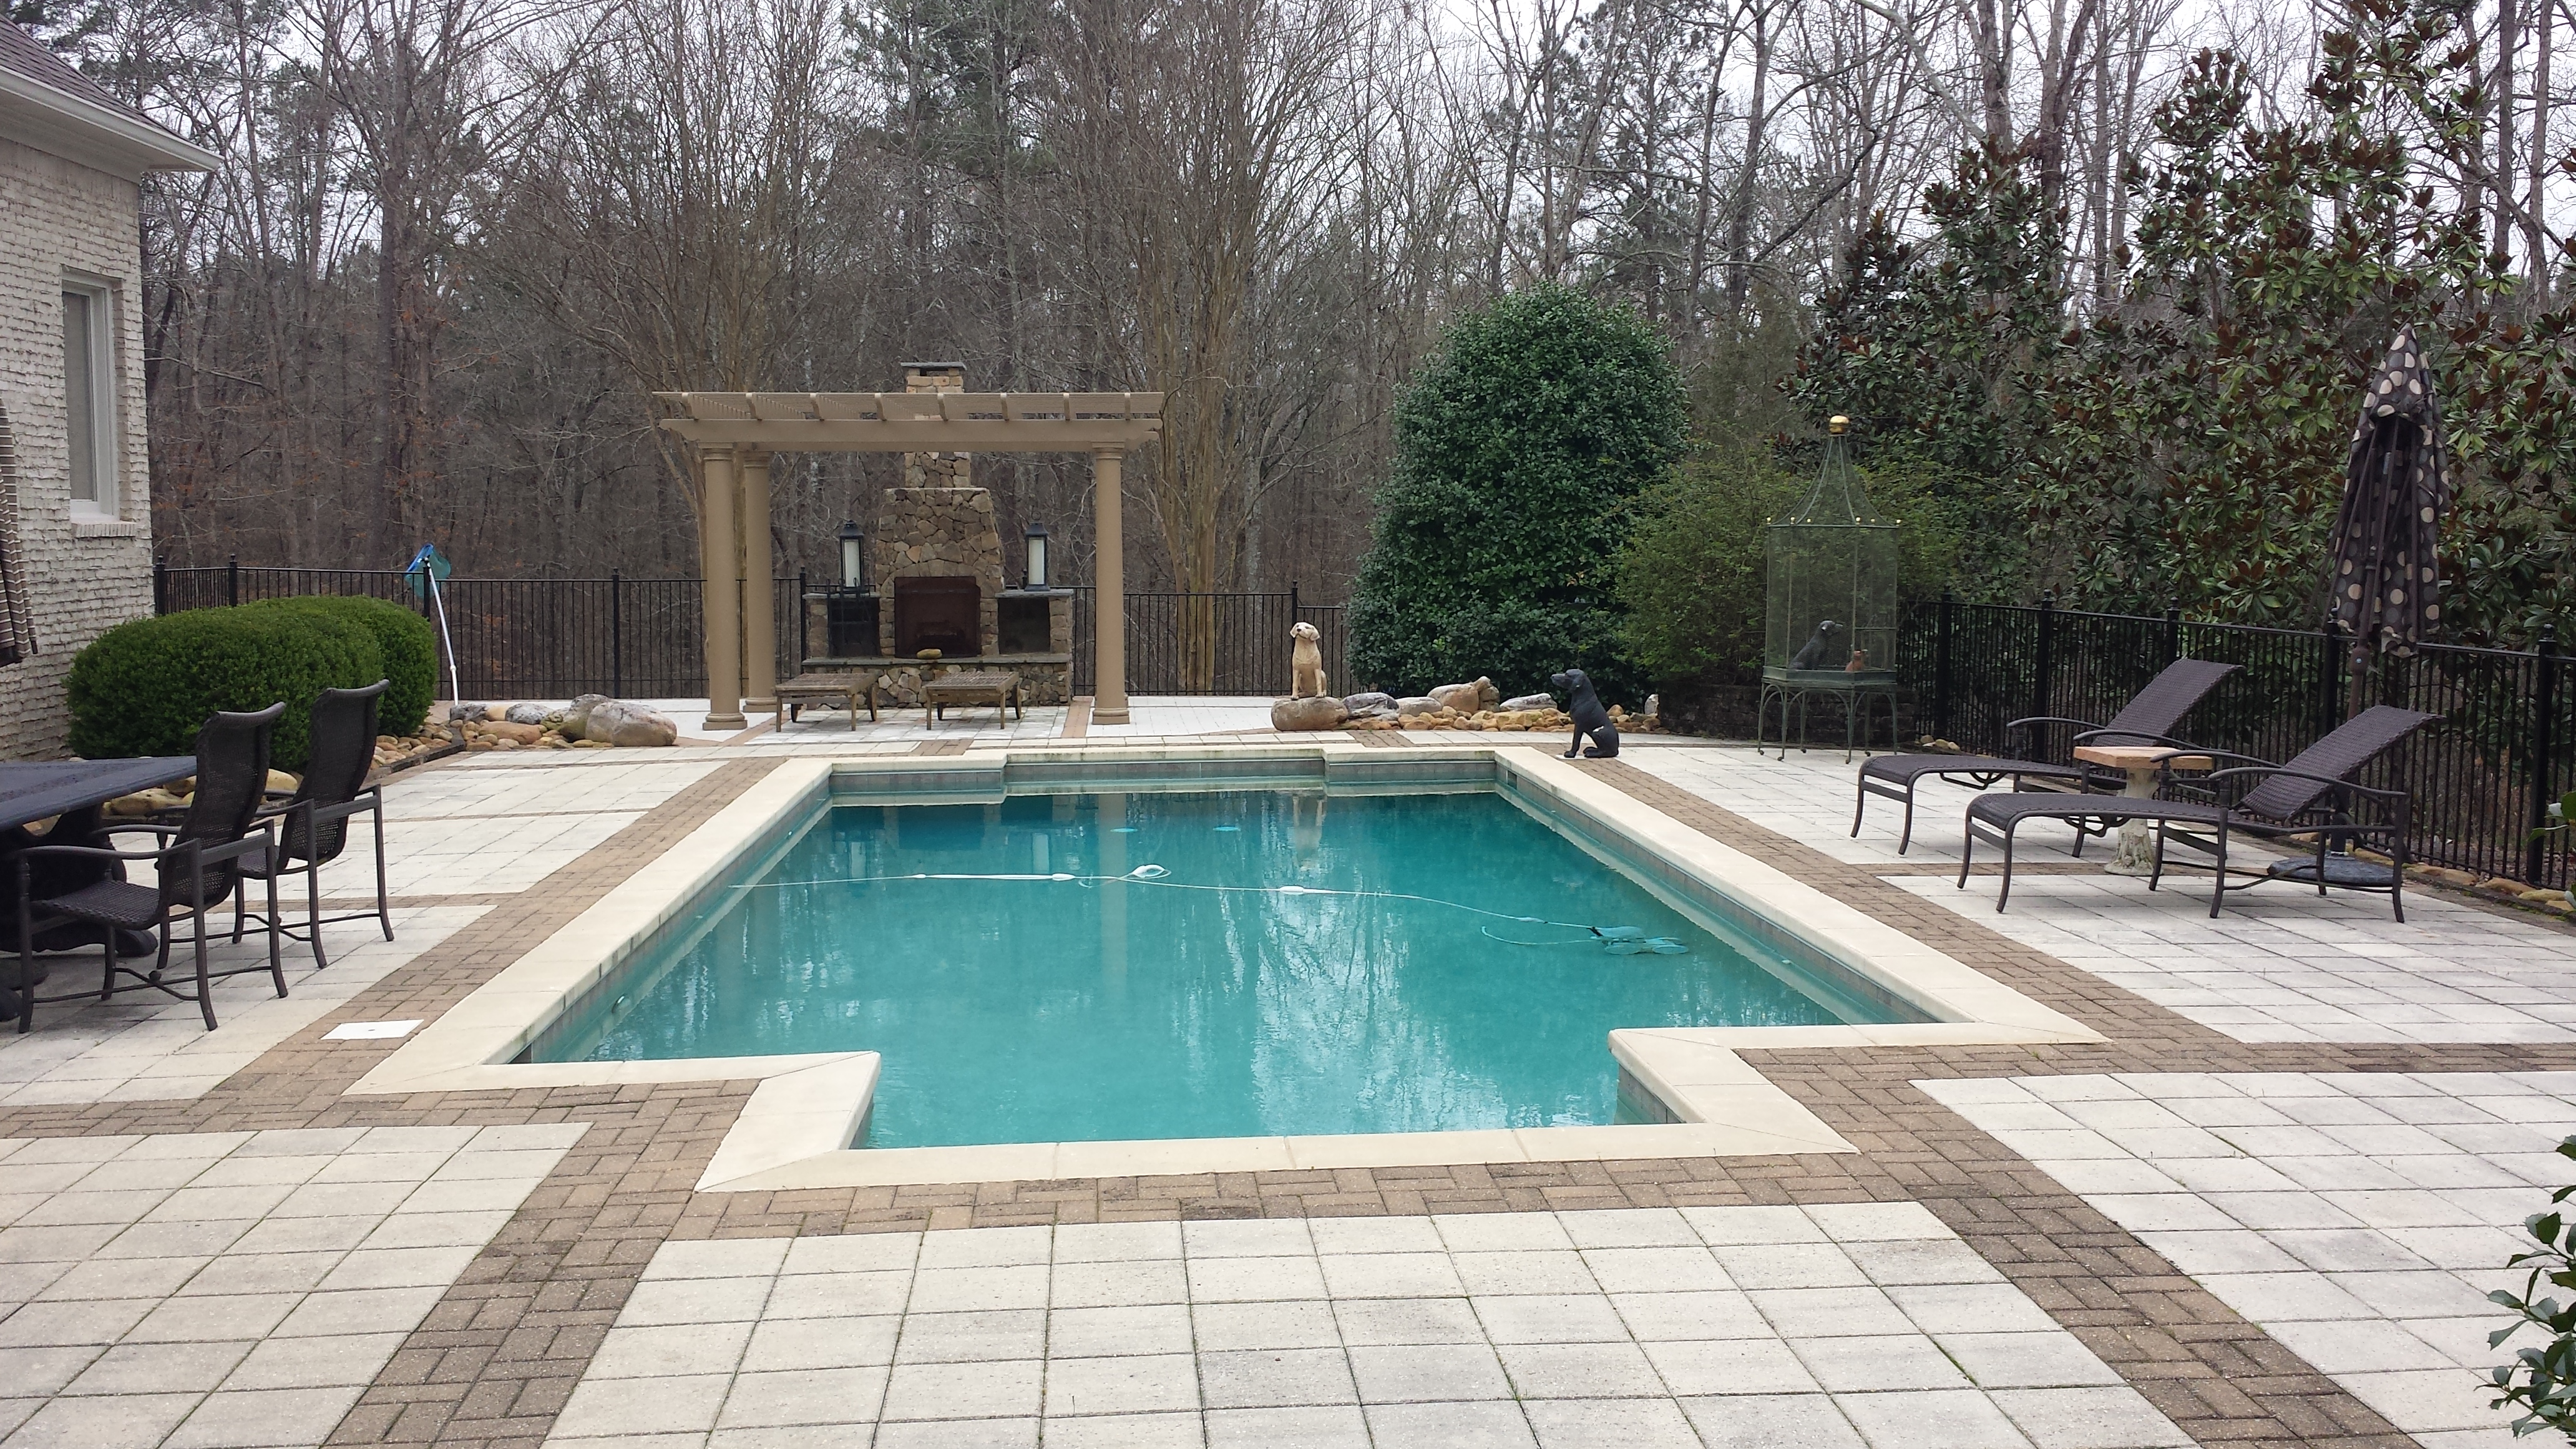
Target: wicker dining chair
197	869
313	822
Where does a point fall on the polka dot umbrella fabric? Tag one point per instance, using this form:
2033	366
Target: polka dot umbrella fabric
2395	487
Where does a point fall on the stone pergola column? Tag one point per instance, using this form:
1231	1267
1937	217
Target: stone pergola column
1109	591
720	563
759	590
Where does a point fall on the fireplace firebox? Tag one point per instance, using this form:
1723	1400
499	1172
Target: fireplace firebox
938	612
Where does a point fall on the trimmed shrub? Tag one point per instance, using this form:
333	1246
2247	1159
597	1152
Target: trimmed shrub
410	650
146	687
1520	448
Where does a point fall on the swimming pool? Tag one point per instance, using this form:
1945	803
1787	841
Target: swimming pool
1220	963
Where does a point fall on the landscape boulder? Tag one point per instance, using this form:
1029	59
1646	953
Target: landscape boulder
526	714
459	713
1468	698
1316	712
576	716
1369	703
1528	701
1419	704
618	722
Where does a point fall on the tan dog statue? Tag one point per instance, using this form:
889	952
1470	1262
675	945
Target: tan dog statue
1306	664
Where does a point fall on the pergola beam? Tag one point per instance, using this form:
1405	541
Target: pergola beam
895	422
872	437
735	431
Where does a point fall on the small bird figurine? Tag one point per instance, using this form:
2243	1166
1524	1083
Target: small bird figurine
1819	646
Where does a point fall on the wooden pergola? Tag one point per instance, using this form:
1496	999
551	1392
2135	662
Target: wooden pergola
733	435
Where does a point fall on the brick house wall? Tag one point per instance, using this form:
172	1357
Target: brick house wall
62	220
71	159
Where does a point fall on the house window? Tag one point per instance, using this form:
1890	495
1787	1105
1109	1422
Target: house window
89	395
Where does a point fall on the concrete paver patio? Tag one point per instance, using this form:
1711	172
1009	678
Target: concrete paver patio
1833	1325
223	1289
2261	1211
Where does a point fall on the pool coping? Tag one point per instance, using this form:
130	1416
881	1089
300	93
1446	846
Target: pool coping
806	1109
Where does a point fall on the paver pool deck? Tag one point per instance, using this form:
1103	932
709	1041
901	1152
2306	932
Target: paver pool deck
2264	1210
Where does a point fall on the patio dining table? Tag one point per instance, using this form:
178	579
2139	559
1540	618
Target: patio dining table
37	791
69	792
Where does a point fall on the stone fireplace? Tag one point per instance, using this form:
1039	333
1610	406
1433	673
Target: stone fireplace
934	546
935	557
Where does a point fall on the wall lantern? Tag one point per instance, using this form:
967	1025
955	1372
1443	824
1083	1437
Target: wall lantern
1037	541
853	555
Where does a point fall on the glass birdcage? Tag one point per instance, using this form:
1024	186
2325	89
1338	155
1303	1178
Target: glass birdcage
1830	576
1829	617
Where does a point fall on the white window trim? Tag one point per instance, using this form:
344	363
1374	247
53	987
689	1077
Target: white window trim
106	439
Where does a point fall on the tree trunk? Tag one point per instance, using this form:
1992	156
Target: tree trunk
1739	219
1993	79
2508	39
2535	240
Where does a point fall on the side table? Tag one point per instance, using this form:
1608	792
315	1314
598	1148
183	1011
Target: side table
2145	765
1857	692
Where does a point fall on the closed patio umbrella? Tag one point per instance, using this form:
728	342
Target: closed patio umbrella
2395	486
17	629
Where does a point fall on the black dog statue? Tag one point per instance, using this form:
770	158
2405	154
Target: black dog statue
1820	647
1590	719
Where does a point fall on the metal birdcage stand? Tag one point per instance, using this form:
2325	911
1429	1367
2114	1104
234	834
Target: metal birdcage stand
1830	608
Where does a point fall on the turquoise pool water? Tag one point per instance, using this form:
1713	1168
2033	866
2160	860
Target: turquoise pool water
1249	963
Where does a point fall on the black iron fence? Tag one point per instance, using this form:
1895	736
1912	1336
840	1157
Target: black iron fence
2481	779
548	638
1214	643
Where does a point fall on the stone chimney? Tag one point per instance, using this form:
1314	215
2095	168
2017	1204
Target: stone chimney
936	470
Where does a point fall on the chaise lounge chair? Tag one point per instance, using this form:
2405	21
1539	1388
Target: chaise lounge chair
2147	719
2311	796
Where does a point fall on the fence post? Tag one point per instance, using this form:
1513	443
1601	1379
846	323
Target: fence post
2332	678
232	579
2544	721
1941	668
616	634
2173	633
801	650
161	584
2041	692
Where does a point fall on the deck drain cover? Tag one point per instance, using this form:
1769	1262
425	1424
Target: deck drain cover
369	1030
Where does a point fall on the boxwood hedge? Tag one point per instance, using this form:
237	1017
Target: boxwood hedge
410	649
145	687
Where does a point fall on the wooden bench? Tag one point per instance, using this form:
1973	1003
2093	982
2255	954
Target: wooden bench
999	688
848	690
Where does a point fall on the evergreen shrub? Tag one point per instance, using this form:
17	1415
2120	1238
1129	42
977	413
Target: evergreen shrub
410	650
1520	448
146	687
